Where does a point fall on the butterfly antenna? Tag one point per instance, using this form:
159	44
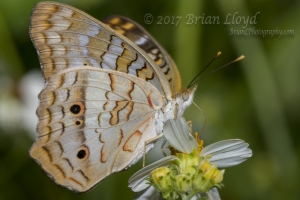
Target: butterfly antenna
236	60
193	81
204	118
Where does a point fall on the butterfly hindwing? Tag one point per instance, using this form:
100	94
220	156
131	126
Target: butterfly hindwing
92	123
66	37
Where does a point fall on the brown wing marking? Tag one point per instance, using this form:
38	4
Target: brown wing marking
145	73
132	141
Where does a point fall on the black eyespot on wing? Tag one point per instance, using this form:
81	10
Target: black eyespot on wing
81	154
75	109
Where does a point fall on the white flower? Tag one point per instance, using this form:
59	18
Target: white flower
221	154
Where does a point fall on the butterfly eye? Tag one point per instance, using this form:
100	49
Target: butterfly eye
185	96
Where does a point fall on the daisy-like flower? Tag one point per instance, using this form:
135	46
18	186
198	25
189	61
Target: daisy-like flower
191	172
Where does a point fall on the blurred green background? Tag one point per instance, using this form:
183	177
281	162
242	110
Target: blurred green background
256	99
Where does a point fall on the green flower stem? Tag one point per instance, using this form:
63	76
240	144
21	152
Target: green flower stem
193	193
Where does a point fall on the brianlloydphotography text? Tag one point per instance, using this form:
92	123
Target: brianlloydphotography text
260	32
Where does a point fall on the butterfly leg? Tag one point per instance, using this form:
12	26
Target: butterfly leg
162	147
190	123
148	142
204	118
175	111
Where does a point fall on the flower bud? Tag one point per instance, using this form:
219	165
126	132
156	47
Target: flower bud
205	166
208	177
189	171
218	176
160	179
210	171
193	158
189	163
183	183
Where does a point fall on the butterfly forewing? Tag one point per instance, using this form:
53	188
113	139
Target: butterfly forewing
92	122
145	41
66	37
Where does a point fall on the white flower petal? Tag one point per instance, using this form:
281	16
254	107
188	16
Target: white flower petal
196	197
223	145
149	193
227	153
177	134
213	194
137	182
140	185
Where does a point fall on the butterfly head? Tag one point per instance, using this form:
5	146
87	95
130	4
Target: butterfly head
183	100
